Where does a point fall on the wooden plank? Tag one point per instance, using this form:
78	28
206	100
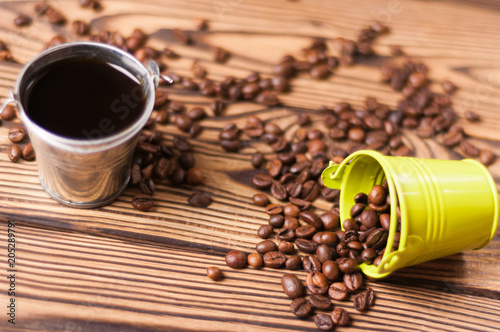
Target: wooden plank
68	280
118	269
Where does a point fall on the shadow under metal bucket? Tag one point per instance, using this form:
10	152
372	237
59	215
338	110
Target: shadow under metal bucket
91	171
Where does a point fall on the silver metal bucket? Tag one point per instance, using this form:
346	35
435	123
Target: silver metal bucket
85	173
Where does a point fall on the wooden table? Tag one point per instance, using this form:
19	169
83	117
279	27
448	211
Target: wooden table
118	269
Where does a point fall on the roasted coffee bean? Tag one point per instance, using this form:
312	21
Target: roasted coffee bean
370	296
359	302
311	218
320	302
274	259
338	291
195	130
355	255
236	259
302	204
305	232
274	168
317	283
361	198
377	195
22	20
369	219
311	263
306	246
356	209
292	286
266	246
340	317
17	134
178	176
350	225
286	247
328	238
260	200
272	209
147	186
286	234
330	270
324	253
28	153
194	176
331	221
385	221
291	210
264	231
257	159
293	189
293	262
278	191
186	160
350	236
14	152
276	220
291	222
255	260
377	238
142	202
262	181
229	132
330	194
230	146
181	144
300	307
342	249
377	260
8	113
200	199
162	168
355	245
486	157
214	273
323	322
469	149
353	281
347	265
217	106
267	98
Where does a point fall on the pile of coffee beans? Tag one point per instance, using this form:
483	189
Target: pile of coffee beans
302	240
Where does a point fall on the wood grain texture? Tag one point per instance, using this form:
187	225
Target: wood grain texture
118	269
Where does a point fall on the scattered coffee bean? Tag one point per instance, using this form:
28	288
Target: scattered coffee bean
264	231
338	291
293	262
214	273
340	317
266	246
260	200
274	259
8	113
142	202
359	302
255	260
292	286
324	322
300	307
14	153
236	259
28	153
17	134
486	157
320	302
200	199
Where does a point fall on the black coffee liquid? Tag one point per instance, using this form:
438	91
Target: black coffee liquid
83	99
